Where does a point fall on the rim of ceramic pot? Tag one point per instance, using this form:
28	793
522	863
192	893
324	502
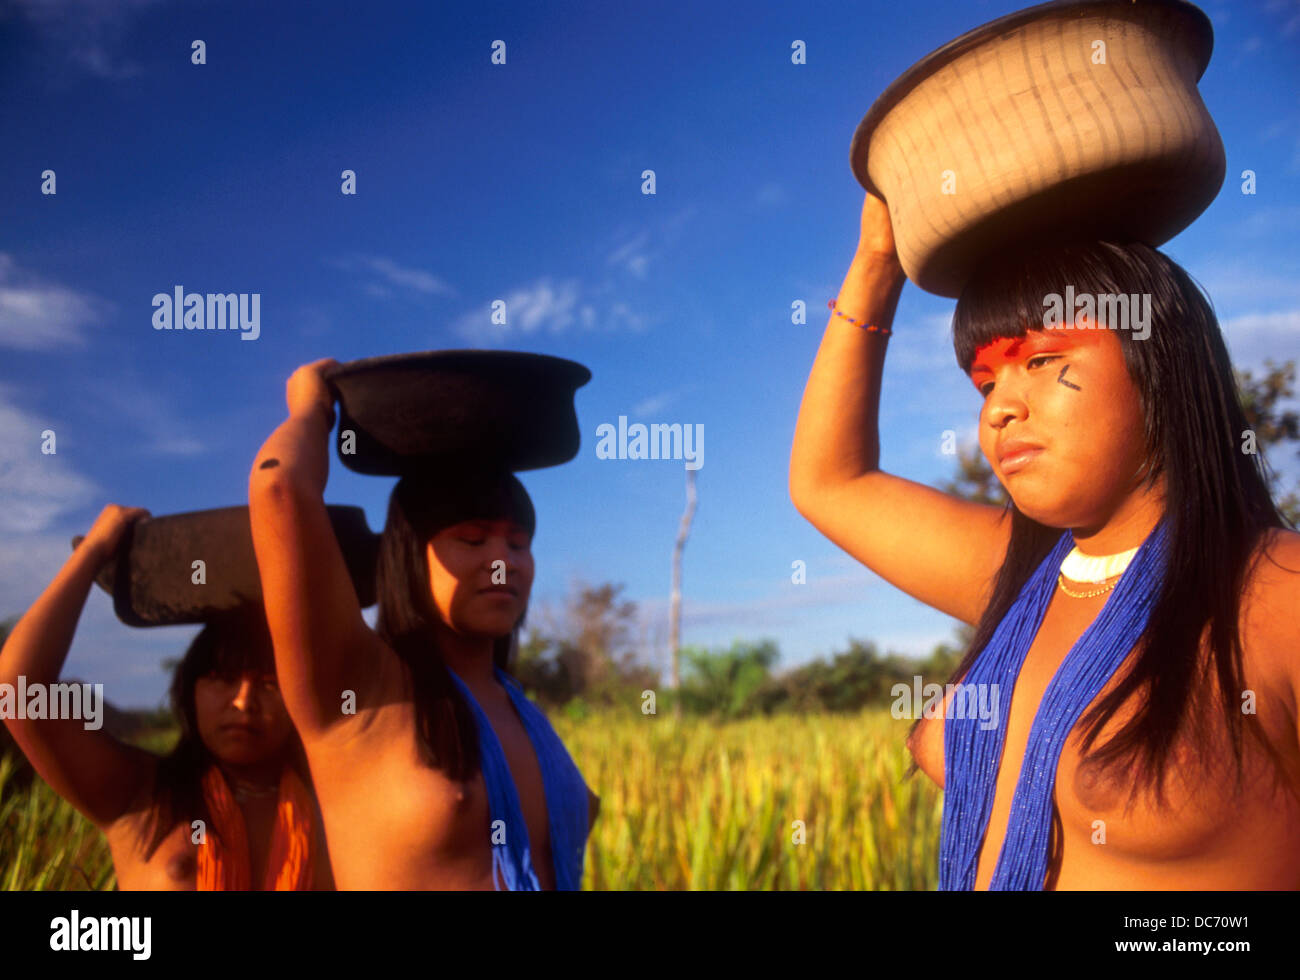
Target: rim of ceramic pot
1200	35
452	359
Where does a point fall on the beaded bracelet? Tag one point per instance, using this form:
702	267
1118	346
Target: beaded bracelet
883	331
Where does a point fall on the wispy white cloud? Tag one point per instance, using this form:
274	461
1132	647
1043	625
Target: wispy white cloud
634	251
1269	220
784	606
855	599
126	660
1288	11
1219	14
1241	282
623	317
1276	129
176	446
35	488
655	403
416	279
631	256
923	345
606	303
40	315
1254	337
1288	321
313	320
547	306
544	305
150	423
87	32
390	273
27	563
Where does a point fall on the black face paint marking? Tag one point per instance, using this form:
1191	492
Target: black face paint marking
269	464
1061	378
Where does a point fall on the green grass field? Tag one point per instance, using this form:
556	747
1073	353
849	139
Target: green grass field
684	805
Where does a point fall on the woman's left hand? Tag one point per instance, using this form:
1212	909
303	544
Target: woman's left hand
307	389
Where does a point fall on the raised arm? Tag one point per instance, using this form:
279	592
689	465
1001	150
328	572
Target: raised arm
323	647
97	774
936	547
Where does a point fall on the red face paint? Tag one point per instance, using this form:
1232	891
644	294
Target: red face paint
992	357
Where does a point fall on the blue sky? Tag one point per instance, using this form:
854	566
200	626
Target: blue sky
519	182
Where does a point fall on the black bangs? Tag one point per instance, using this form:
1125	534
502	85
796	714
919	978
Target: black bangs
234	643
1007	295
433	500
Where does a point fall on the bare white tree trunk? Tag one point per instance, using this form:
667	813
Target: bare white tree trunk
675	604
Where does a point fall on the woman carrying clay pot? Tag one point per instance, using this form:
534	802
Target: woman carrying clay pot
434	770
1137	594
230	808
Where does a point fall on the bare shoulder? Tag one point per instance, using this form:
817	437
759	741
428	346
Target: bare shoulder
1283	547
137	817
1270	628
374	705
1274	582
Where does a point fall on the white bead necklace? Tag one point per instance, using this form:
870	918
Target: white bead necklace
1092	569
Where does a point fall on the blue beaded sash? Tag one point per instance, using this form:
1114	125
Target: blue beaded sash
973	752
566	798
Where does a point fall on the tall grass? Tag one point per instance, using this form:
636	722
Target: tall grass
684	805
46	845
688	805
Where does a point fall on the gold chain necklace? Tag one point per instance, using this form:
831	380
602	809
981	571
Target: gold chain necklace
1084	595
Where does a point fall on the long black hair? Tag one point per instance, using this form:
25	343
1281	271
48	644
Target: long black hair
421	504
1217	504
231	644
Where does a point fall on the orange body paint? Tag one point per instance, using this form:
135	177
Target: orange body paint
992	357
